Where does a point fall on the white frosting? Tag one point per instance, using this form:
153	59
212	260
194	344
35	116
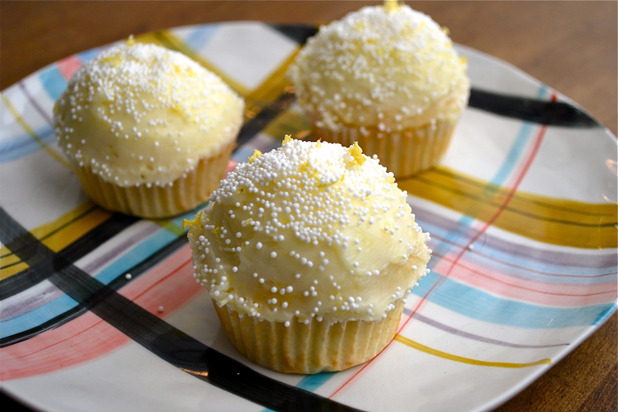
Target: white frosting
310	230
142	114
385	67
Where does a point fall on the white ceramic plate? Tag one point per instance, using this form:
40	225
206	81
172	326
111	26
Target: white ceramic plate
100	312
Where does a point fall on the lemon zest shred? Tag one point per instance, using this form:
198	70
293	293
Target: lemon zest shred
391	5
256	154
288	138
192	222
357	154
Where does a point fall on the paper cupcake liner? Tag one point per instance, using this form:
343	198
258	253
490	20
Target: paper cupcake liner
403	153
308	348
185	193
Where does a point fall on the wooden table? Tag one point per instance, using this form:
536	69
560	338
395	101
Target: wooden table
571	46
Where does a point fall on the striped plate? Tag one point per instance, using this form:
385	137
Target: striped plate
102	308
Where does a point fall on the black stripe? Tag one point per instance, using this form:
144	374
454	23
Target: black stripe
115	284
265	116
39	272
531	110
53	232
156	335
23	280
298	33
35	274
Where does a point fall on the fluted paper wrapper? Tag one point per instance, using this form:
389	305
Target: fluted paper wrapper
184	194
308	348
404	153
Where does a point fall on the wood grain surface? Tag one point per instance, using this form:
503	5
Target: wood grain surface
569	45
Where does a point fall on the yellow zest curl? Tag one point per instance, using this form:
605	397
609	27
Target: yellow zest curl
256	154
192	222
391	5
357	153
287	139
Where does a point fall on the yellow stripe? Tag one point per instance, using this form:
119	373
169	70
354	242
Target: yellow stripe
71	226
32	133
267	92
16	266
170	226
57	234
68	228
43	231
550	220
288	122
470	361
57	237
270	90
276	83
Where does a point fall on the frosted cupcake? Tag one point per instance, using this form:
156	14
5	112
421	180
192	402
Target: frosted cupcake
148	130
308	253
388	78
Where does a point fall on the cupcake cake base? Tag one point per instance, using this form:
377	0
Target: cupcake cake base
308	348
403	153
153	201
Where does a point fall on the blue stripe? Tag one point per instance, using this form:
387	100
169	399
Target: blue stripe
517	149
242	154
88	54
201	36
313	382
53	82
63	303
23	145
483	306
515	153
527	259
508	166
135	256
457	236
527	265
36	317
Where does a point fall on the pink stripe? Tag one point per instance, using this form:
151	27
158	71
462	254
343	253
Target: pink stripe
68	66
231	166
169	285
550	294
518	179
456	246
51	292
454	263
73	343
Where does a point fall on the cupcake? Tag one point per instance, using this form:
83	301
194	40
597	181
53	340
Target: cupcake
148	130
388	78
308	253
